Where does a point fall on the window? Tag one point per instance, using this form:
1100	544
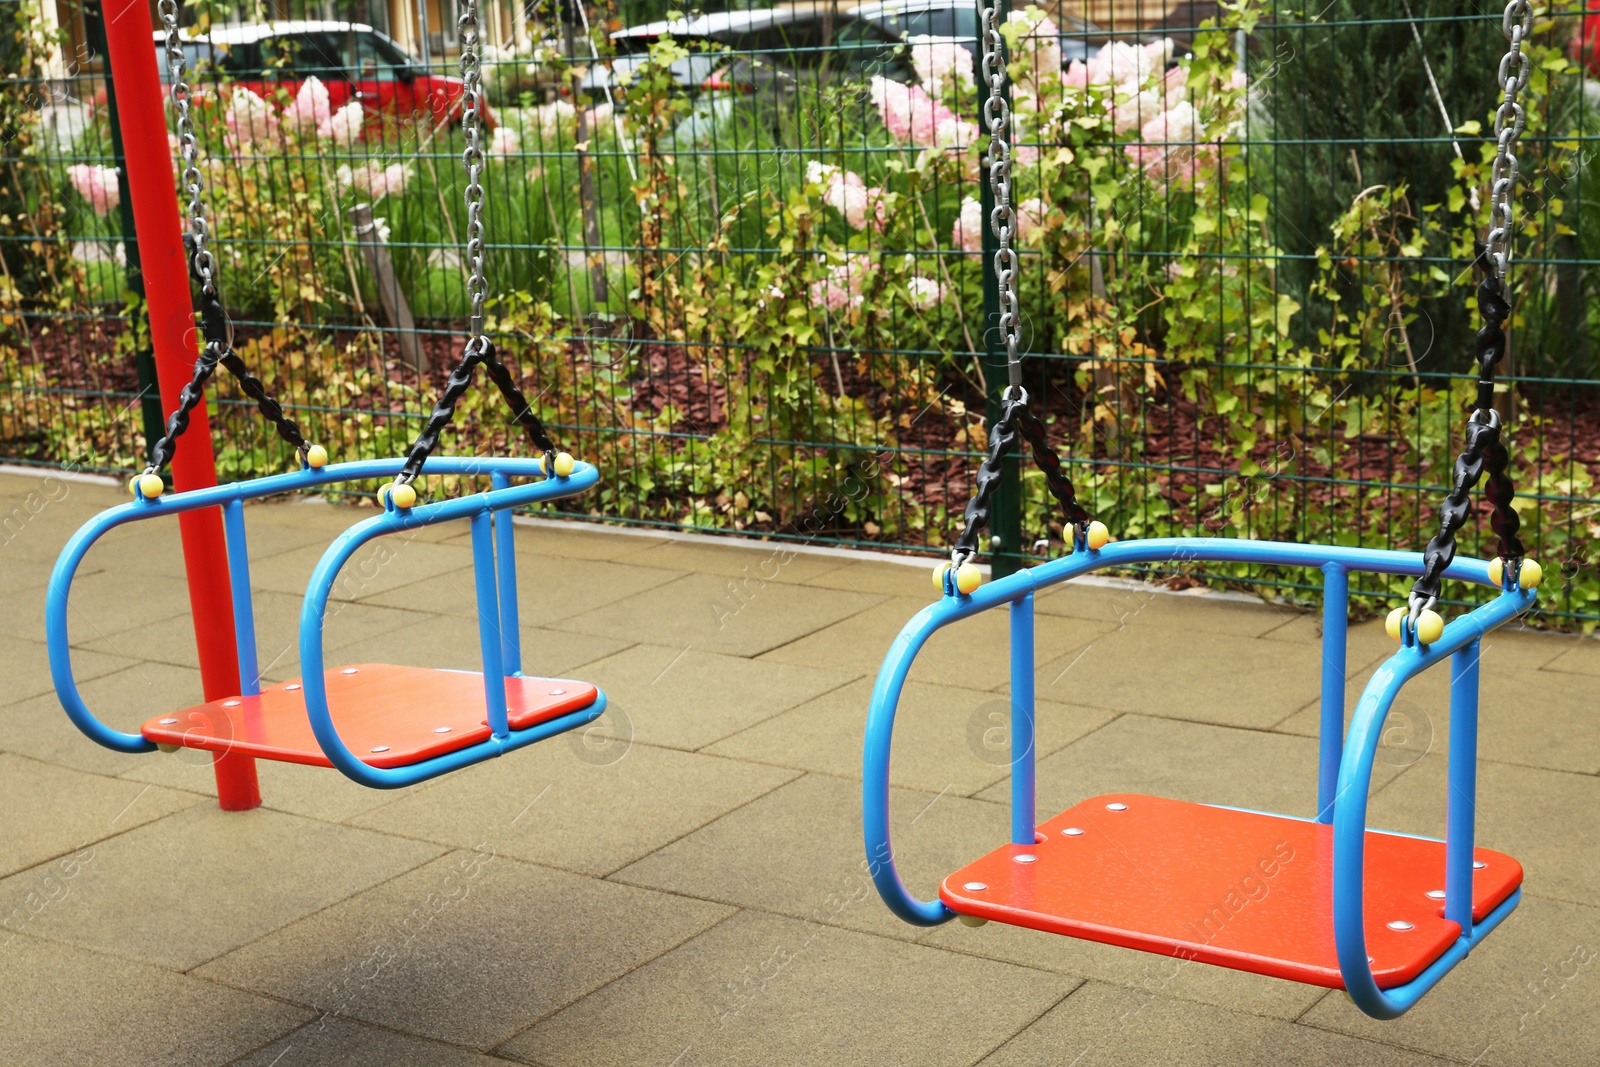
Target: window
864	49
203	60
306	55
783	37
373	62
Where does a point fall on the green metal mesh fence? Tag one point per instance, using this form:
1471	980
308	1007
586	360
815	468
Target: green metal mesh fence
737	256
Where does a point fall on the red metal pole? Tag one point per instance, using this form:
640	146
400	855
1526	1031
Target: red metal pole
141	115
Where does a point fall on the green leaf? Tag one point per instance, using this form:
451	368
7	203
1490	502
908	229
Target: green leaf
1287	309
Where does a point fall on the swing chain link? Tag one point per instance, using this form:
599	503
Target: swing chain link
1516	68
472	159
1002	219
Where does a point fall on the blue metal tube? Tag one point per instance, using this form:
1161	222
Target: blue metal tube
1335	621
483	571
1354	773
1023	798
1461	807
244	612
505	556
1350	809
314	608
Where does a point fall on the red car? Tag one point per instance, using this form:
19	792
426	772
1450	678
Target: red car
354	61
1586	45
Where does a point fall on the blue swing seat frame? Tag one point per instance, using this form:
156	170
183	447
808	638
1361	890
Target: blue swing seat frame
494	566
1345	762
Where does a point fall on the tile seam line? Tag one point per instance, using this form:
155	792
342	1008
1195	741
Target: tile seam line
784	711
1025	1027
796	776
494	1049
1414	1049
445	850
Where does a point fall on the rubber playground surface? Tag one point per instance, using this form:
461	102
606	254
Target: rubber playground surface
685	882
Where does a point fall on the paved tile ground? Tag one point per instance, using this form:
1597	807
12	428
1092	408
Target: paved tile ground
682	883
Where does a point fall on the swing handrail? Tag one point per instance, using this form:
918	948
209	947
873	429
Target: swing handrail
1355	761
494	611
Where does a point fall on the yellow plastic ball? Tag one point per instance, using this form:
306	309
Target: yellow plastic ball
403	495
1097	535
564	465
972	921
1430	627
968	577
1391	625
316	457
938	575
150	484
1530	575
1497	571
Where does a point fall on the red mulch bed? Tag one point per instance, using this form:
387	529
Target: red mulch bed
1176	452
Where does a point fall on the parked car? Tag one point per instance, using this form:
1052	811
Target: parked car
354	61
1585	47
821	42
750	51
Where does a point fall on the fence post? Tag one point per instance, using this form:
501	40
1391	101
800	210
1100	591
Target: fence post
587	197
144	360
1005	522
396	310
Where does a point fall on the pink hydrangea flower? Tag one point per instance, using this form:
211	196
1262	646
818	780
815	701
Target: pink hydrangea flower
555	117
1172	144
310	107
967	234
913	117
850	196
1040	44
97	185
374	179
505	141
250	120
344	126
1076	75
925	292
941	63
841	289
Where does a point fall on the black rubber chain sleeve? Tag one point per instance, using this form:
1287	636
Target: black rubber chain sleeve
193	393
1055	474
1485	451
1002	442
214	328
1017	422
445	409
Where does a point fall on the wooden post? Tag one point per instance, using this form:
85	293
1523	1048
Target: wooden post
396	310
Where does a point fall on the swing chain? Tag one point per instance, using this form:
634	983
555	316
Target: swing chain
1017	421
479	349
216	327
1509	121
202	264
1002	219
472	158
1485	451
